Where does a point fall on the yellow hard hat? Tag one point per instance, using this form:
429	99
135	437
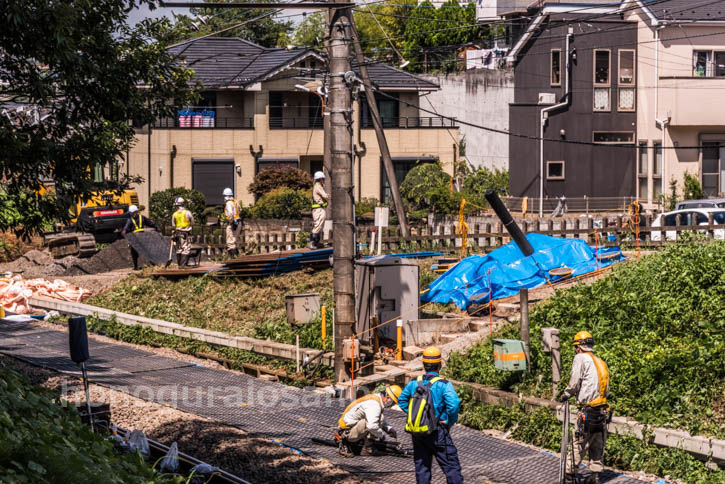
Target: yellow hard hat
583	338
393	391
432	355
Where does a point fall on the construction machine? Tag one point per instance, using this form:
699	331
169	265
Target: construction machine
96	220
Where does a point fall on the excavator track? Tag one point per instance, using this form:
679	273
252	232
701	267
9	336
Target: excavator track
70	243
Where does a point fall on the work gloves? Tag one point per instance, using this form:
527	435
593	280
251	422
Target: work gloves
392	432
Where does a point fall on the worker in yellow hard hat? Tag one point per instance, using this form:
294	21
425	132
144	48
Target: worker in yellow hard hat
362	423
432	438
589	383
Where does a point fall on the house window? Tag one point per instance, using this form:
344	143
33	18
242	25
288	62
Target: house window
554	170
642	171
556	67
626	98
657	181
602	80
702	63
713	169
613	137
401	167
389	110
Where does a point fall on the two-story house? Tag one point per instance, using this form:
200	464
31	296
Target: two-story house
573	121
254	113
680	107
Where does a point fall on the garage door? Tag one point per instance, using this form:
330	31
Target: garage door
211	176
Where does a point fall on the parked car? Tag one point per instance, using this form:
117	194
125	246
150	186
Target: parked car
698	216
706	203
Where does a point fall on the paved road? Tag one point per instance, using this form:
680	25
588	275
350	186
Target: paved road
289	415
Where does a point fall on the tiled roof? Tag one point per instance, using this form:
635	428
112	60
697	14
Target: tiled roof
230	61
702	10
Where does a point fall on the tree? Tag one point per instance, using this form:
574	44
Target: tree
311	31
72	75
272	178
161	204
392	18
265	31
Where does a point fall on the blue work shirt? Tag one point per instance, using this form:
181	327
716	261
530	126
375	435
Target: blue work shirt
445	398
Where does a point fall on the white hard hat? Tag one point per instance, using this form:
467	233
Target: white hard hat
179	201
319	175
132	209
228	192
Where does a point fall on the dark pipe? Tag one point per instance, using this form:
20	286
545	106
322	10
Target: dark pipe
508	222
172	155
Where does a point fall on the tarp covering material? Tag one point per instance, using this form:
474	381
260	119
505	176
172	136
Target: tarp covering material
151	245
467	282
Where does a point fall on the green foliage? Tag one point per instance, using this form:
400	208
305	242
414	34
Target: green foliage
282	203
310	334
311	31
80	62
476	183
671	201
267	180
161	206
692	188
20	207
43	440
392	18
658	323
366	206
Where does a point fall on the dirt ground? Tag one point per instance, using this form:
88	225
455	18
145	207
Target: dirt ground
248	456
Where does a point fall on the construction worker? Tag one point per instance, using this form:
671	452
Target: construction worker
445	404
319	202
182	220
362	423
589	383
138	222
231	218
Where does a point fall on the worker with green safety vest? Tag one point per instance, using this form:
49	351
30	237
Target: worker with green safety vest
136	223
182	221
319	202
589	383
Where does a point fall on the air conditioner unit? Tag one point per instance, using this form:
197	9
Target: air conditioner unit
547	98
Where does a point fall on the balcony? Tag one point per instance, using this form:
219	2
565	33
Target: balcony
412	123
206	122
684	99
295	122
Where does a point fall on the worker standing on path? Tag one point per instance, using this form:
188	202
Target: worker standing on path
362	423
138	222
589	383
182	220
429	425
319	202
231	218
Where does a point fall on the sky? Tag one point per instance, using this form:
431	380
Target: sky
142	12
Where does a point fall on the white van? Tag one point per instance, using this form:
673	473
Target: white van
706	203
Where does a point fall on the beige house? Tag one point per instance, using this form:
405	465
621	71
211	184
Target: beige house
680	102
255	114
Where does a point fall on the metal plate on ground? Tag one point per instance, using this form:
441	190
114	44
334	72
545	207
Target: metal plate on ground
151	245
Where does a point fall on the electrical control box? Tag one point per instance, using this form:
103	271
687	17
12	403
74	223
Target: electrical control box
350	349
509	354
550	339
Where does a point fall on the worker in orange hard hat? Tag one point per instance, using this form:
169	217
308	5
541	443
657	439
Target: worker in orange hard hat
589	383
362	423
430	431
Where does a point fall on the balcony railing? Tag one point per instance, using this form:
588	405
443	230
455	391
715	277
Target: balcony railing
208	123
295	122
413	123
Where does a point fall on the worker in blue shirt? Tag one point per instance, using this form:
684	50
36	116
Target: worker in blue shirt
439	443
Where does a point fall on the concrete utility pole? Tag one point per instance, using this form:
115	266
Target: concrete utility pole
343	217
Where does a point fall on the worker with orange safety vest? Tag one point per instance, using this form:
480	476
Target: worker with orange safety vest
233	221
362	423
589	383
138	223
182	221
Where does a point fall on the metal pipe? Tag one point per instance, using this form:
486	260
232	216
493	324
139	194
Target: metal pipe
661	123
172	157
508	222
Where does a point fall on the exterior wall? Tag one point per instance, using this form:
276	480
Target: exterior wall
479	96
593	170
692	104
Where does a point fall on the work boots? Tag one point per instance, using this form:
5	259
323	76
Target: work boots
314	240
369	448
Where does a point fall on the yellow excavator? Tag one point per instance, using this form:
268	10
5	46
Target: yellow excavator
96	220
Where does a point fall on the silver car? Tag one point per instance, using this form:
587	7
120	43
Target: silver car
698	216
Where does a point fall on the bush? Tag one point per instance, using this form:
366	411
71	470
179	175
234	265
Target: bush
422	183
366	207
481	180
161	205
282	203
692	188
267	180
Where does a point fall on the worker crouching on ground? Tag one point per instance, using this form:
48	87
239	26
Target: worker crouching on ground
429	425
136	223
319	202
182	220
362	423
589	383
233	221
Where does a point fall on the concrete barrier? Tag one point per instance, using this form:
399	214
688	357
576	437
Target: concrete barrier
263	347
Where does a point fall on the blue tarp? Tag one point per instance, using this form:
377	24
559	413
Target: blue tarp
467	282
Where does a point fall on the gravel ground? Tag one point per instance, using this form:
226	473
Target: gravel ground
253	458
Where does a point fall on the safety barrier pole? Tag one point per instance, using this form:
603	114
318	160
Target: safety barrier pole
297	352
352	368
399	345
323	313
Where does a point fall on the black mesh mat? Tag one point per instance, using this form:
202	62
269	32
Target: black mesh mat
151	245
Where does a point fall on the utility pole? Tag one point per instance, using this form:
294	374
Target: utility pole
341	126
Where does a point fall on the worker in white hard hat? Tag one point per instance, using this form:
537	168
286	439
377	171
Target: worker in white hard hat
136	223
232	220
182	221
319	202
